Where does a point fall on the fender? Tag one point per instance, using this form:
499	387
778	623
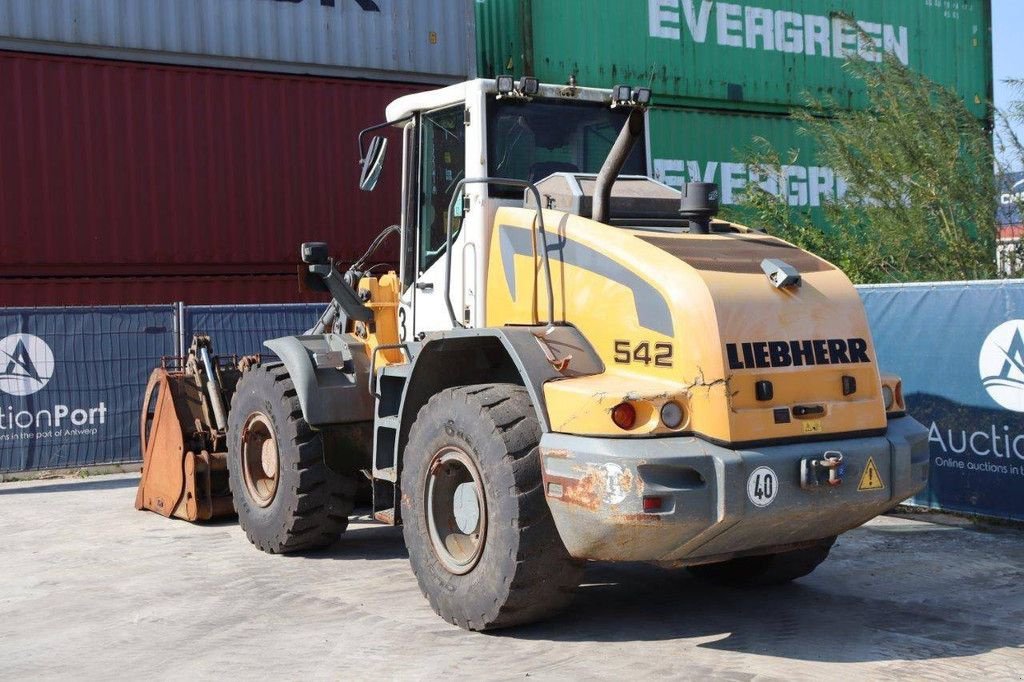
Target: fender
331	374
514	355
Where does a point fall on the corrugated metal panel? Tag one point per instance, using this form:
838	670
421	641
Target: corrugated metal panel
501	37
117	168
753	53
65	291
427	40
693	145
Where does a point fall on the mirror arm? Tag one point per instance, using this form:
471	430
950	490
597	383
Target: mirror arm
379	126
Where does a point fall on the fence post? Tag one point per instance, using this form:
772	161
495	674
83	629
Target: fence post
179	319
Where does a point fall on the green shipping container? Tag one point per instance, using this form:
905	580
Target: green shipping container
709	146
757	55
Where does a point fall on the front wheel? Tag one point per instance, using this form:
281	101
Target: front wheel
480	536
286	497
764	570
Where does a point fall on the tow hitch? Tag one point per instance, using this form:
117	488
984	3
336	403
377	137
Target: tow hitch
826	471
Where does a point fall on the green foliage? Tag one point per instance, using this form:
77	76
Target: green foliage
1017	108
1009	148
919	200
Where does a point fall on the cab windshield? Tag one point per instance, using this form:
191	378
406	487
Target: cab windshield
531	140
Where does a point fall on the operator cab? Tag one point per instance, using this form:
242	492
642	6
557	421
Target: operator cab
472	130
556	137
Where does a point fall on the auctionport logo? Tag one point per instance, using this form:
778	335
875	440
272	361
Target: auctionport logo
1001	365
26	364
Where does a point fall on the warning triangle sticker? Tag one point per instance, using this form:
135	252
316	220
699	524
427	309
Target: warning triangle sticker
870	479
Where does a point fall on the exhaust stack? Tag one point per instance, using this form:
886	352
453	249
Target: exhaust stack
630	133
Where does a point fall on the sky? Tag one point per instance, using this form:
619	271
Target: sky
1007	50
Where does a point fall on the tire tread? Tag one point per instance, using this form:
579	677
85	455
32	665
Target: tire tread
316	509
544	577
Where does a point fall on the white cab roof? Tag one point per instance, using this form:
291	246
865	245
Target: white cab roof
461	92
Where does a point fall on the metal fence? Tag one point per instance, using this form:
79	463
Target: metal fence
71	381
959	348
242	329
71	378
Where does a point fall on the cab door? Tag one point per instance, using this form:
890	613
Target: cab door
431	179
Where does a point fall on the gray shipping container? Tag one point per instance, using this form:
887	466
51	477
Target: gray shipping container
429	41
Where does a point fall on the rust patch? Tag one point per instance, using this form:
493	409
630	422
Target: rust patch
626	480
597	487
637	519
584	492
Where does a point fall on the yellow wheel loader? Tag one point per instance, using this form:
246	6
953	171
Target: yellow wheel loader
575	362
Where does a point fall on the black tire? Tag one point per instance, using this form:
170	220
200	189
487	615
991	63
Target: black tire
523	572
764	570
310	504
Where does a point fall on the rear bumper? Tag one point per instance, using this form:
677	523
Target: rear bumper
596	488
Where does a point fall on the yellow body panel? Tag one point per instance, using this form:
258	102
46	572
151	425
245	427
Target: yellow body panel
383	295
605	279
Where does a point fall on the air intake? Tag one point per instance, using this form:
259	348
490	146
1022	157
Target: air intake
699	204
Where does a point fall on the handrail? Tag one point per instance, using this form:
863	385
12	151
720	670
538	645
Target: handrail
543	249
404	347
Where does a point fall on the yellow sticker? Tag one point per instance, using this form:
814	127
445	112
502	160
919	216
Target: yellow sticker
812	426
871	479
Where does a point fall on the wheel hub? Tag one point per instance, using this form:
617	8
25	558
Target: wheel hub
260	461
456	509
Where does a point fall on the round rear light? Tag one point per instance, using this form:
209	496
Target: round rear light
624	416
672	414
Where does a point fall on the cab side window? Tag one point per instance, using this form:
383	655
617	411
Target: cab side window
442	163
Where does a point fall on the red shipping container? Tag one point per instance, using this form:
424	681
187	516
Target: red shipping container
86	291
128	169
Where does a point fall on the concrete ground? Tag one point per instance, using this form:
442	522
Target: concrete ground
91	588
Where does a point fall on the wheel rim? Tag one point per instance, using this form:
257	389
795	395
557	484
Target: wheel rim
456	509
260	460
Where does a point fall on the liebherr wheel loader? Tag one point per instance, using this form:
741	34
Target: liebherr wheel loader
575	362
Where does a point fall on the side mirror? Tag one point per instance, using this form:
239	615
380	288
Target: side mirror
372	163
314	253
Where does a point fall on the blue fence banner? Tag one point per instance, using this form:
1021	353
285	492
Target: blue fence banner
71	380
959	348
1009	198
242	329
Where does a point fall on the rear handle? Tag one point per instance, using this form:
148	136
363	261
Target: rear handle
801	411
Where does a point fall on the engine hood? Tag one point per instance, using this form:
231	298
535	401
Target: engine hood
693	318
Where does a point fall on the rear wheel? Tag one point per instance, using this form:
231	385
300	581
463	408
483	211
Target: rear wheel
481	539
764	570
286	497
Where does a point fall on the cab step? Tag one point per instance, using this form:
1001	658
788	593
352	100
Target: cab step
390	389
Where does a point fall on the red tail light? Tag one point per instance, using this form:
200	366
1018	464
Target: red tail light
624	416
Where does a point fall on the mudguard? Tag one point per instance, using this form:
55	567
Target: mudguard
331	373
527	355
